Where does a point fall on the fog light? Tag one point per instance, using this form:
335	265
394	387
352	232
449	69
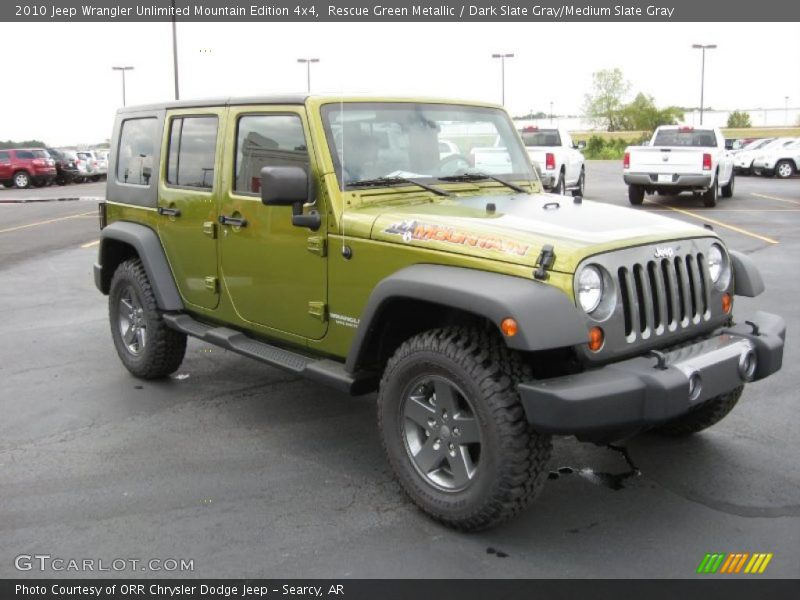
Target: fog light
509	327
695	386
596	339
727	302
747	365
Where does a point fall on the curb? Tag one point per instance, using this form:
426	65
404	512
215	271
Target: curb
71	199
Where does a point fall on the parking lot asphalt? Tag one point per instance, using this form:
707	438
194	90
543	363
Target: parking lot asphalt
251	472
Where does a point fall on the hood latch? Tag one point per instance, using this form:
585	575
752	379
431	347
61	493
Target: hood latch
545	261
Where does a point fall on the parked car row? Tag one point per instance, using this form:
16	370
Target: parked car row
770	157
39	167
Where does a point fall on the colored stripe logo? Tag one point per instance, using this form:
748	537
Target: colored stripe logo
734	562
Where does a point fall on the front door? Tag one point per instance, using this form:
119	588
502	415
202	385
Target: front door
5	166
187	202
274	272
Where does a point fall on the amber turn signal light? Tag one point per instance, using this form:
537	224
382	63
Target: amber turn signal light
509	327
596	339
727	303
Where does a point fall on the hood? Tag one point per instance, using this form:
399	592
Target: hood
518	228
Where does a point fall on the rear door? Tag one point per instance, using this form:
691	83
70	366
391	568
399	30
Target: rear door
187	201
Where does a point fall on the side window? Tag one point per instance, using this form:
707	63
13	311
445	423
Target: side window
192	151
135	153
267	140
4	156
24	154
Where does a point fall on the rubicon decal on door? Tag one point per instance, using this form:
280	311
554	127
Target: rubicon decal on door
426	232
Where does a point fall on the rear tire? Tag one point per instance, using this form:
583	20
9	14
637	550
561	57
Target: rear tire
581	189
561	186
146	346
635	194
704	416
454	430
727	190
711	195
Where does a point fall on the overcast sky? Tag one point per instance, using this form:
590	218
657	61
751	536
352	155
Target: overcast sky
63	90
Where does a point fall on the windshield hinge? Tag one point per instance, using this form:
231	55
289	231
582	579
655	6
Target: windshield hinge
545	261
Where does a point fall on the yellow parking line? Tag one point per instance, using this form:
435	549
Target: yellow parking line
90	244
765	196
18	227
757	236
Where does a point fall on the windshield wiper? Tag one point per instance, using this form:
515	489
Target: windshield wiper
479	176
379	181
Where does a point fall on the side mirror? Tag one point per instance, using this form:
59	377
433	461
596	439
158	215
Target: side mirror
581	145
284	186
289	186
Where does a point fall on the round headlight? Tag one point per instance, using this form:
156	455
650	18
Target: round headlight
590	288
718	266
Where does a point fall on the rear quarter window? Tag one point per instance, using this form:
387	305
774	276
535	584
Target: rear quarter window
135	153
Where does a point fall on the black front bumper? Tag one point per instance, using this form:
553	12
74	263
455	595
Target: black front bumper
623	398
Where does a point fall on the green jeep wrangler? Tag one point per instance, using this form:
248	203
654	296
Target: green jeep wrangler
363	244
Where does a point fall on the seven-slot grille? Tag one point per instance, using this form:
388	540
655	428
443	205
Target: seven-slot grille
664	294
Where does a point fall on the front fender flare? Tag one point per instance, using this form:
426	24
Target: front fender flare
147	245
545	315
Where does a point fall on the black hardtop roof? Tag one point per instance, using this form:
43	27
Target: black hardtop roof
230	101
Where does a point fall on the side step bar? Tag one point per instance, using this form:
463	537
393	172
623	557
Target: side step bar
325	371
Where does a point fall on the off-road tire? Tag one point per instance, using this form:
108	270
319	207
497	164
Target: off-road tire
513	458
165	348
635	194
704	416
710	196
727	190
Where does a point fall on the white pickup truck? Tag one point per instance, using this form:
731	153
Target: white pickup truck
680	159
557	159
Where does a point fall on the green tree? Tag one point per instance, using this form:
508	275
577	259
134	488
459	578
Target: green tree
22	144
602	106
739	119
642	114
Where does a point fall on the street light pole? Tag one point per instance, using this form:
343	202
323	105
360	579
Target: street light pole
122	70
503	58
175	52
551	112
307	62
703	48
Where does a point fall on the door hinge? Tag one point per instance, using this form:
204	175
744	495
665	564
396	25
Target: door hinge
318	310
212	284
210	229
317	245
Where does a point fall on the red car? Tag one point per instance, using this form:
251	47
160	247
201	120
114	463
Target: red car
23	167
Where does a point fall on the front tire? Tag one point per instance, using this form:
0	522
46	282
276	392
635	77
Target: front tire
635	194
704	416
144	343
784	169
22	180
454	430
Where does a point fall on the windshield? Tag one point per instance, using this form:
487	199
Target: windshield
702	138
370	141
542	137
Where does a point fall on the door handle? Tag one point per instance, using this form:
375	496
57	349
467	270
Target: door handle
169	212
232	221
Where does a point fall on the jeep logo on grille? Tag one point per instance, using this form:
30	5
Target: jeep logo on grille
664	252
